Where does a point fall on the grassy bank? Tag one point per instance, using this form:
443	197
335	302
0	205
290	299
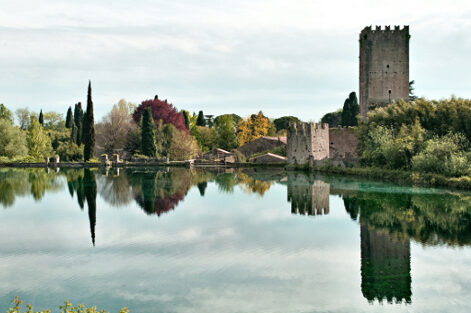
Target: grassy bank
399	176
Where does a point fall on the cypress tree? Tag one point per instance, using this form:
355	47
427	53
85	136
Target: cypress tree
147	134
88	136
69	120
201	121
350	110
78	120
73	134
41	118
186	118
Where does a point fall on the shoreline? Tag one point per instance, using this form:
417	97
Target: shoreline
396	176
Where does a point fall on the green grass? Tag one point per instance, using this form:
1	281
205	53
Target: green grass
400	176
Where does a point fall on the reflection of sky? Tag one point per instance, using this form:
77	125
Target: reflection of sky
222	252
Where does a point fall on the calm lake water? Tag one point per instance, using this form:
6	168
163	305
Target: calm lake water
180	240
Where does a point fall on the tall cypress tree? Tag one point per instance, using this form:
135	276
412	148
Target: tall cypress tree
69	120
148	134
350	110
88	127
78	120
201	121
41	117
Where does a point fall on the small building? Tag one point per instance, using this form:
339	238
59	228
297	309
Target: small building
268	158
216	154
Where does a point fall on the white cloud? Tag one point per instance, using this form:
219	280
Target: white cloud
298	58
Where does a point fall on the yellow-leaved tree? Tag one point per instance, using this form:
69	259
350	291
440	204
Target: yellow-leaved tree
256	126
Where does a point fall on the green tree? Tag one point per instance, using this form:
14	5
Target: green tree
334	119
235	118
69	120
53	121
78	120
148	134
350	110
41	117
186	117
89	127
12	140
39	143
225	130
283	122
412	96
442	155
5	113
200	121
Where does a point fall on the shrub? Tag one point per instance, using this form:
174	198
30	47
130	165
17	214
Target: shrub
442	156
69	151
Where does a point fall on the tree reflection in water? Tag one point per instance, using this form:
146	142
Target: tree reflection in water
389	216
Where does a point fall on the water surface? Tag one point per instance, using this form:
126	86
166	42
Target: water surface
180	240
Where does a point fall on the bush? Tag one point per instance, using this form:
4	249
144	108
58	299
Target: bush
442	156
69	151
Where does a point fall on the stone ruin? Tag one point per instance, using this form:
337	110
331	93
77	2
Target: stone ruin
307	143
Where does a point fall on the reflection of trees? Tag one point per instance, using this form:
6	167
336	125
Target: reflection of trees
161	191
427	218
89	186
20	182
389	220
13	182
115	189
253	185
83	184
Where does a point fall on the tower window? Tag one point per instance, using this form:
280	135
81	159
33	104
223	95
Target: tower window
389	91
387	66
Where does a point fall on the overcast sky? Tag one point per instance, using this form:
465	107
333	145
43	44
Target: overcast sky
283	57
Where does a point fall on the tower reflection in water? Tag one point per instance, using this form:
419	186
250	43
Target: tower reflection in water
388	216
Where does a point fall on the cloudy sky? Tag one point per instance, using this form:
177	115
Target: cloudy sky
283	57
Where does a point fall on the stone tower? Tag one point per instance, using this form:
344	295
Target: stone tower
307	142
384	66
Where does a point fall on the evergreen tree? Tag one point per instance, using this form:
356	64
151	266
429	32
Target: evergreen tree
148	134
41	118
186	117
201	121
78	120
88	136
350	110
69	120
73	134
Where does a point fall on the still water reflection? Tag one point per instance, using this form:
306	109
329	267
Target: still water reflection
231	240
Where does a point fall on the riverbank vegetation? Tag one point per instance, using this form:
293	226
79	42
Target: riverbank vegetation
154	128
67	307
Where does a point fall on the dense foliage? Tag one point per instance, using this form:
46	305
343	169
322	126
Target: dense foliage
161	111
350	111
422	135
256	126
283	122
148	134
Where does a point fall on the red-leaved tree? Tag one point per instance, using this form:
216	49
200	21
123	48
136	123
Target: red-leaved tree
161	110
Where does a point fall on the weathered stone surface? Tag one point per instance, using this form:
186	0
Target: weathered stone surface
307	142
384	66
343	144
